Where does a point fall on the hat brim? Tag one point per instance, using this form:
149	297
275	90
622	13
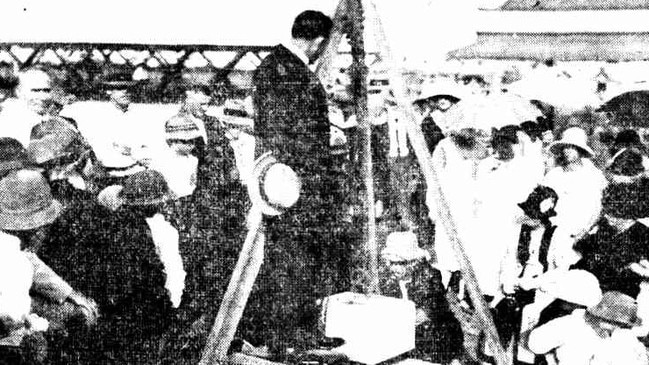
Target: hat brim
142	202
254	186
27	221
555	147
601	315
183	135
116	85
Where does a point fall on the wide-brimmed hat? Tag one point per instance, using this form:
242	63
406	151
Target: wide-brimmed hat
402	246
182	127
627	165
575	137
56	144
236	112
118	80
13	156
145	188
440	89
574	286
617	308
26	201
273	186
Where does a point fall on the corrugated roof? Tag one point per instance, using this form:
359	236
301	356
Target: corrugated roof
562	47
533	5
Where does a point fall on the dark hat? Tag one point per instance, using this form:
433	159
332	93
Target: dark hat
54	140
626	200
182	127
13	156
147	187
618	308
26	201
628	163
532	206
626	138
118	81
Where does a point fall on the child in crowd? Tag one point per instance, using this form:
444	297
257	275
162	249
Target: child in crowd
438	336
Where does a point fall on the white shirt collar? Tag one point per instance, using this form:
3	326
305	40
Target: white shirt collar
297	51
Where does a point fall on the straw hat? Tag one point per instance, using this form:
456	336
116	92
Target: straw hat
617	308
236	112
402	246
575	137
574	286
444	88
118	80
26	201
182	127
273	187
145	188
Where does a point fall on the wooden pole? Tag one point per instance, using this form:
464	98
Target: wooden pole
425	161
359	87
235	298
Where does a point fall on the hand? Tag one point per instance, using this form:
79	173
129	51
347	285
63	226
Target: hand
641	268
86	306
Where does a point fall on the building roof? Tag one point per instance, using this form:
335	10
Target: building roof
558	46
536	5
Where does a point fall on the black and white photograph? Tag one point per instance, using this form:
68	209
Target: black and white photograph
324	182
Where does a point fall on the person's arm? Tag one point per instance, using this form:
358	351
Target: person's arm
47	282
549	336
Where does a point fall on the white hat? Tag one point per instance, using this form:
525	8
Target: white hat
440	88
574	286
402	246
575	137
273	186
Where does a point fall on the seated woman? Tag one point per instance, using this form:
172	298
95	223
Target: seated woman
438	335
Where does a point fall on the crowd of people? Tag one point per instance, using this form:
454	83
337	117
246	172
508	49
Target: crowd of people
121	222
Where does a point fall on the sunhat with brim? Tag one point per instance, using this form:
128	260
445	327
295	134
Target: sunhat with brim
54	125
402	247
617	308
440	89
118	81
572	137
236	112
273	186
182	127
145	188
574	286
26	201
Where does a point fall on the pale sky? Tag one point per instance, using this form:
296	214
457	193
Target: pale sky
420	29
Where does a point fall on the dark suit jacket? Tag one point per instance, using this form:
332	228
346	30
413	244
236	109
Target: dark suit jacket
292	118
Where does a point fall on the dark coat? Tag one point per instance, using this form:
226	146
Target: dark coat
304	257
440	338
607	254
111	258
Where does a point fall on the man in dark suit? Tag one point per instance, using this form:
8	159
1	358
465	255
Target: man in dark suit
304	257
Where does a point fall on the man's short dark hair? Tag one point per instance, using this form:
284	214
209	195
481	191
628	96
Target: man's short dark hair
311	24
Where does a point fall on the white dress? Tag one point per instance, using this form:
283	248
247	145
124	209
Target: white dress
578	208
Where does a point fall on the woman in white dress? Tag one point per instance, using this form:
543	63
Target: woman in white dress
579	185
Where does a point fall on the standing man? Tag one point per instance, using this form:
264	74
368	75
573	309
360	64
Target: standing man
304	257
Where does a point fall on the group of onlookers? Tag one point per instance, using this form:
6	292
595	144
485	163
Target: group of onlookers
115	249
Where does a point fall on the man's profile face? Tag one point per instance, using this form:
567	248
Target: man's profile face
35	89
316	49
